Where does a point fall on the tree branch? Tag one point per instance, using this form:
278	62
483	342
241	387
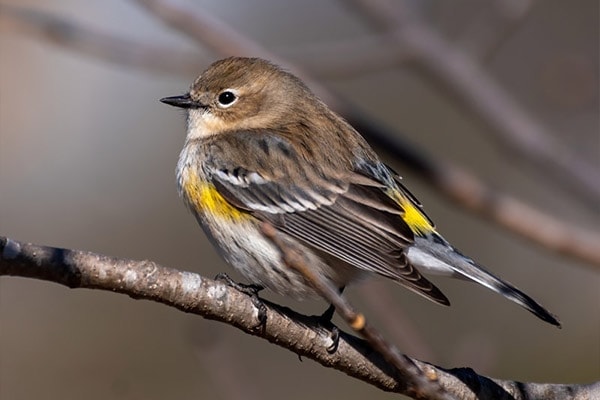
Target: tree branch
213	300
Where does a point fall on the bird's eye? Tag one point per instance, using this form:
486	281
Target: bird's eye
227	98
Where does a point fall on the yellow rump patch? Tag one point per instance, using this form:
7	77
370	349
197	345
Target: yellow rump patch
203	196
415	219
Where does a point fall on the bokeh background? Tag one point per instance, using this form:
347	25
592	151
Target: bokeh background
87	159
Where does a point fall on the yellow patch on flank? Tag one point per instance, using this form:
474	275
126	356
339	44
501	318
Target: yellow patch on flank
416	220
205	197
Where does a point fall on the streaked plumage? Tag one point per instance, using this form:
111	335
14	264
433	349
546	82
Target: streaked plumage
278	154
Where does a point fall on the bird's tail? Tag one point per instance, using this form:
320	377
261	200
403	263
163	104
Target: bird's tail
437	256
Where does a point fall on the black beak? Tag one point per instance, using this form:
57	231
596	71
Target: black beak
183	101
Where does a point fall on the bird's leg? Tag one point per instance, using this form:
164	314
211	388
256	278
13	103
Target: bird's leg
325	320
250	290
327	316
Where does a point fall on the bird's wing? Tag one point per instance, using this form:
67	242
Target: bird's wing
350	215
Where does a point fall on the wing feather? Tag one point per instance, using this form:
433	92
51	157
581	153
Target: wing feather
349	216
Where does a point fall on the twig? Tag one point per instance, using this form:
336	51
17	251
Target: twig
213	300
420	384
483	97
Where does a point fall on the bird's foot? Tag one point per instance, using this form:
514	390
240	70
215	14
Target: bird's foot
252	291
325	321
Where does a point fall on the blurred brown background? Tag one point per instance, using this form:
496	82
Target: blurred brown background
87	159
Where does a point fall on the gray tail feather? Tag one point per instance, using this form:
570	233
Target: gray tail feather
470	270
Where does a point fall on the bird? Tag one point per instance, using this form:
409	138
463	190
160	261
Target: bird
261	147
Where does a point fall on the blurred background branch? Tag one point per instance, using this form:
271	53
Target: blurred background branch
485	33
457	184
143	55
447	66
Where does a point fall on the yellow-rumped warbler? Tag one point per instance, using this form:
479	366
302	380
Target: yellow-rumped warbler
261	147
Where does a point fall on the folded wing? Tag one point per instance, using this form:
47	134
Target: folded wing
346	214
